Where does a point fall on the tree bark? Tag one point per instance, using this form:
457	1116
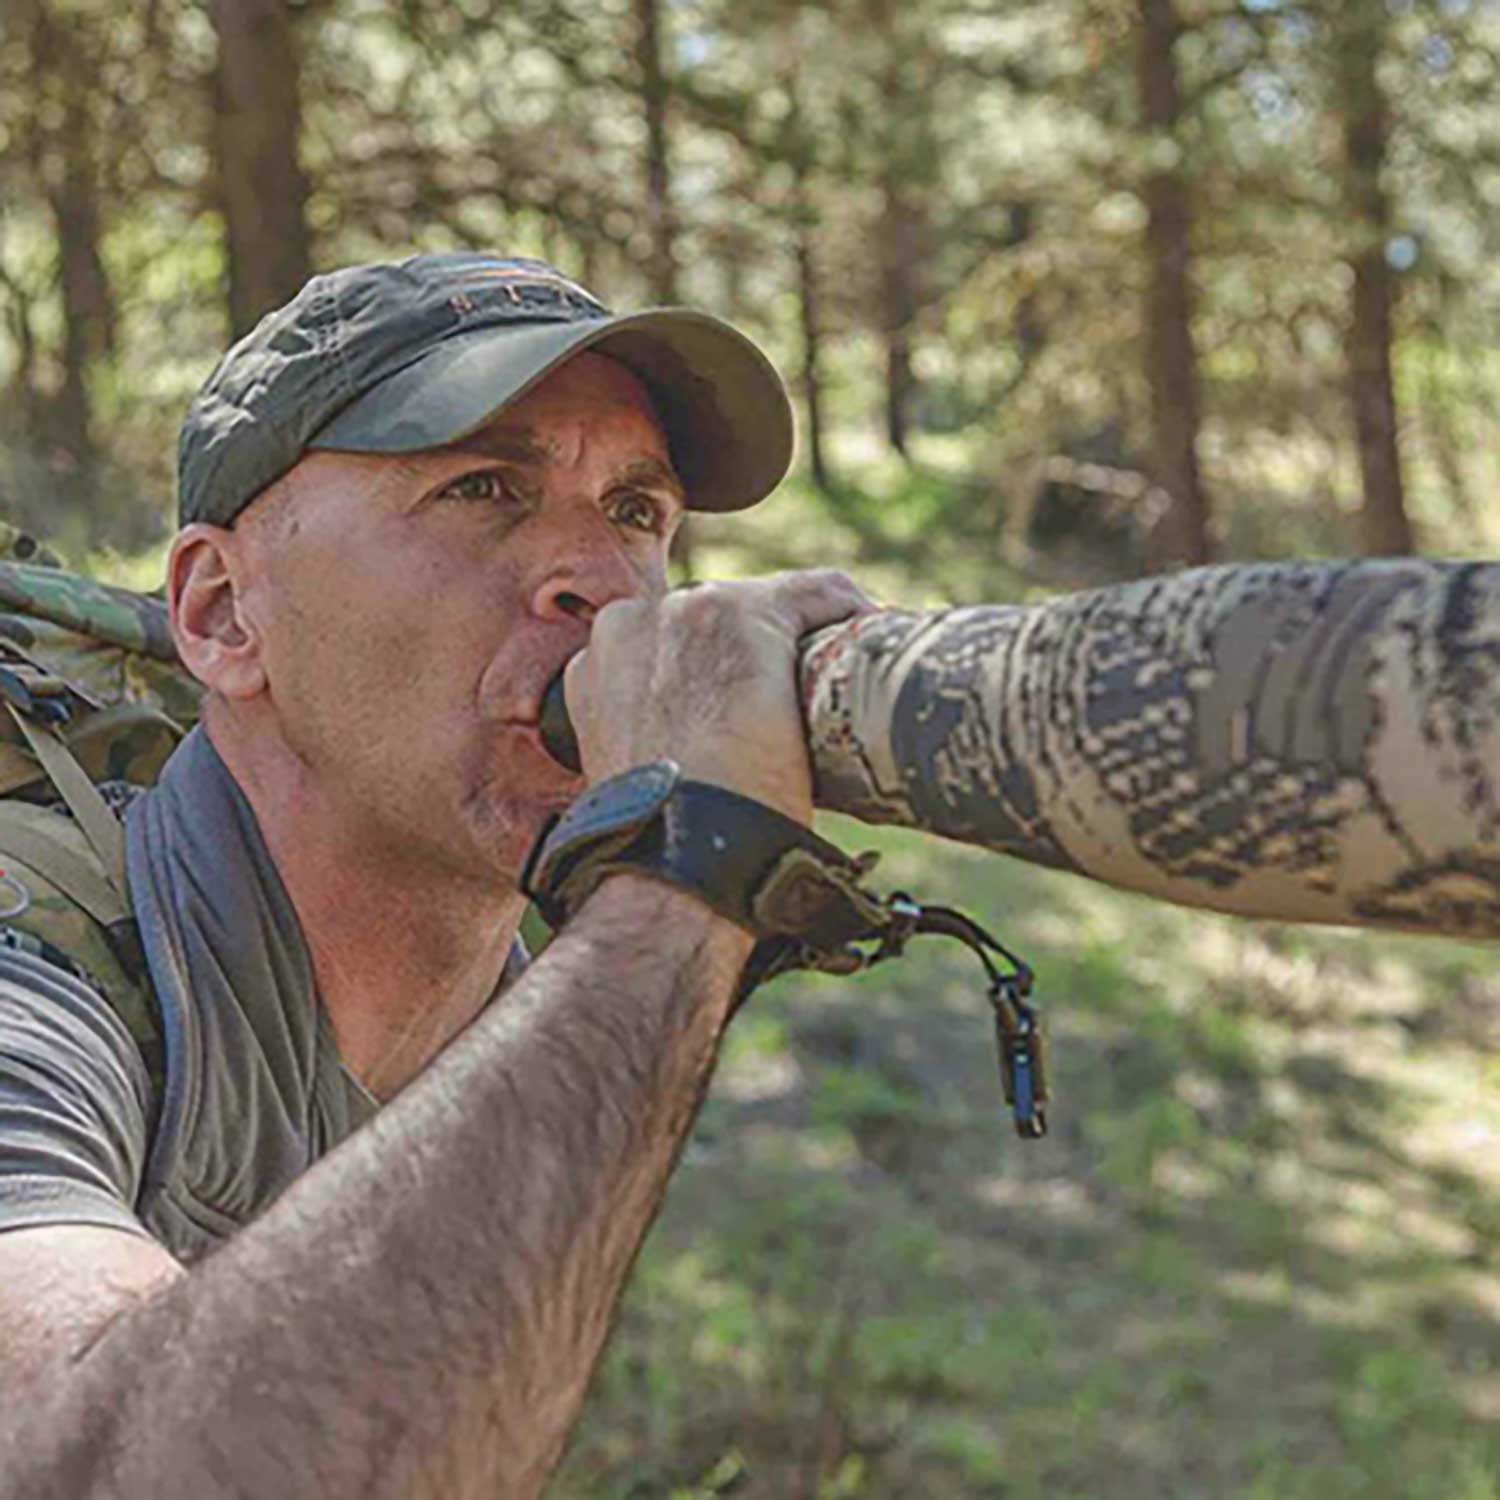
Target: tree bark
1384	526
661	215
906	160
1181	534
262	189
809	310
88	305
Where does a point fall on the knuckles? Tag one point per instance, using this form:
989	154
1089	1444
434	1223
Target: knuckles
818	597
620	617
704	607
721	610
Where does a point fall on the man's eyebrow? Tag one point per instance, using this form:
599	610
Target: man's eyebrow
521	447
490	442
653	473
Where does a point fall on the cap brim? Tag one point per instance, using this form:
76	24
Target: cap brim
724	408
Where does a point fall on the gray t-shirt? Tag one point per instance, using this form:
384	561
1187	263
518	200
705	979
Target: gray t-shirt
254	1091
75	1102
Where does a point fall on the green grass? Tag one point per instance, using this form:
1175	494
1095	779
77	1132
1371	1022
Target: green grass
1259	1255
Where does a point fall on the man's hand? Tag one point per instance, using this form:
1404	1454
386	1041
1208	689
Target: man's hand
707	676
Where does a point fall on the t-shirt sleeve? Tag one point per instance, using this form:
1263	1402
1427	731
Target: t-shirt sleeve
75	1102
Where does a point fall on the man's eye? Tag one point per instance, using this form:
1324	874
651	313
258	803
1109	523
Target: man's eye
640	511
486	484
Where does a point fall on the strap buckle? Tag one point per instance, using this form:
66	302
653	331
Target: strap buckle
1023	1057
891	924
43	699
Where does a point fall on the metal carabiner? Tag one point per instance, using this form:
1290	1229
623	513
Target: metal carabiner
1023	1066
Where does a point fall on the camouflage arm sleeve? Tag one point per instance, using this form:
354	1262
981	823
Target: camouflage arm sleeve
1315	742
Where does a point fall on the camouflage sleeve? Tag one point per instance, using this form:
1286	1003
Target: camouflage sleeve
1315	742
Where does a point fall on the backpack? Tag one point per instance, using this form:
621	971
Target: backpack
95	662
92	702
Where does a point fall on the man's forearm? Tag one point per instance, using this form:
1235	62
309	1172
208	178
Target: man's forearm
420	1314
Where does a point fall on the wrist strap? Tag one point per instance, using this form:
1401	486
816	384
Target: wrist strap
748	862
801	896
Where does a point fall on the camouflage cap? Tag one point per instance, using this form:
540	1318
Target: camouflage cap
403	357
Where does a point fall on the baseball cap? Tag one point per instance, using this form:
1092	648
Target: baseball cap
397	358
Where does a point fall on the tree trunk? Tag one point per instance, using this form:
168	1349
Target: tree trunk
20	390
1385	528
1029	331
262	190
812	340
660	216
899	236
905	155
809	311
1181	534
75	212
66	158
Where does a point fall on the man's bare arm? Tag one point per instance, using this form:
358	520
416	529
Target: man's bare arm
420	1314
1315	742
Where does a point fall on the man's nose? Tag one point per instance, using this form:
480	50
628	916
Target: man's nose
591	570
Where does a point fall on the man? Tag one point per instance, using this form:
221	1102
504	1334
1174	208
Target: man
408	498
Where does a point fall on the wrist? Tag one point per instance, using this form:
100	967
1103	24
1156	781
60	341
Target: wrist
681	923
769	792
751	865
747	861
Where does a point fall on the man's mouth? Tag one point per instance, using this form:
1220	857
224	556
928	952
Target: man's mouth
529	733
529	707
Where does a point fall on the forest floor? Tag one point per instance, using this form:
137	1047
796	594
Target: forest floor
1258	1256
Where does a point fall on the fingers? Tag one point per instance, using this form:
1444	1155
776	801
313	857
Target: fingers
575	673
818	597
803	600
709	620
707	675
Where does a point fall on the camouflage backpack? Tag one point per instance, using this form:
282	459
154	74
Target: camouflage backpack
92	702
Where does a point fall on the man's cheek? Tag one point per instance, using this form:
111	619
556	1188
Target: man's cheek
510	829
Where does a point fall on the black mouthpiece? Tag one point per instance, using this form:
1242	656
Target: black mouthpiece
557	728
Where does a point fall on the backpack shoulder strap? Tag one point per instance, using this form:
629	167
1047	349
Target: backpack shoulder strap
67	864
55	894
38	702
63	887
100	826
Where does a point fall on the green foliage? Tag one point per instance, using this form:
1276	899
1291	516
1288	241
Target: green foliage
965	191
1134	1141
1390	1392
855	1097
1255	1257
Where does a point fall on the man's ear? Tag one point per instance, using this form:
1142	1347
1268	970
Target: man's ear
206	576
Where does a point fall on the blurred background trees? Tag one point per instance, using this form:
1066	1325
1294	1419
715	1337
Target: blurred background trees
1069	287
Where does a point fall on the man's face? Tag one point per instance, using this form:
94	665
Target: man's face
413	609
